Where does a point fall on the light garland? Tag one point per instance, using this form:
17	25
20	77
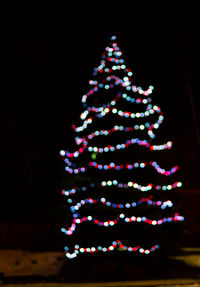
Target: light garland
124	83
112	165
121	217
127	205
105	111
113	102
112	247
129	185
132	184
109	148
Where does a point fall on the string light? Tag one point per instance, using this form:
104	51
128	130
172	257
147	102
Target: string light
112	165
110	148
117	81
104	201
130	185
115	244
70	230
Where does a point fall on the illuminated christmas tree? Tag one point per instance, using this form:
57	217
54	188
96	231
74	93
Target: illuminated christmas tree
121	198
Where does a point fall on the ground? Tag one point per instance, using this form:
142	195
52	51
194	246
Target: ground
42	268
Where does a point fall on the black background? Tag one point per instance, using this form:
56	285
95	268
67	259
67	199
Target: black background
46	72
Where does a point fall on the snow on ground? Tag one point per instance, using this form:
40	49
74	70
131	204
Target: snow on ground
25	263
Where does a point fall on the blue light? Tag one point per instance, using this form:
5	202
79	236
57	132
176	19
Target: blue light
113	38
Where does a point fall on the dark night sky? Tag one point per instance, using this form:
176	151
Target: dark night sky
46	75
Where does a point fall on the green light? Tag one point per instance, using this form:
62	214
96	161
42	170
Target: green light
94	156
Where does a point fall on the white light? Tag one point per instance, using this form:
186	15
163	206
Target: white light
156	126
125	79
76	154
62	153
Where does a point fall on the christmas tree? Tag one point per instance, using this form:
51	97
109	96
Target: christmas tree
123	182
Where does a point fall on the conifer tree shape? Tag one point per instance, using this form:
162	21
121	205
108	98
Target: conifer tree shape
123	183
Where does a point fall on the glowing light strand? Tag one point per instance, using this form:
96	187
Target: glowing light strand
70	230
112	165
129	185
132	184
112	103
105	111
148	200
115	244
110	148
117	81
